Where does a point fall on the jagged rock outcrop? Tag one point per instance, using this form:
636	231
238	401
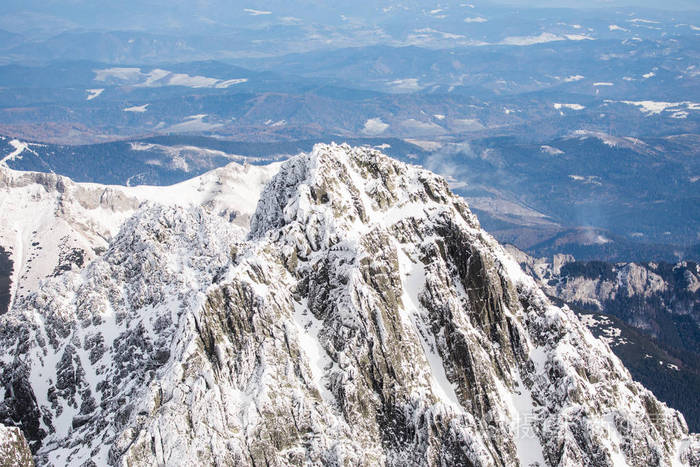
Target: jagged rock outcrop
662	299
14	450
364	318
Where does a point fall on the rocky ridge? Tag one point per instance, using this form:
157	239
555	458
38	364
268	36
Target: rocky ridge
662	299
364	318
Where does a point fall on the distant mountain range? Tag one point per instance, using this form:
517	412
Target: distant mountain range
581	146
543	197
158	31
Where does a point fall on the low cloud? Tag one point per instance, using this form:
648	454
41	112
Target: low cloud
374	126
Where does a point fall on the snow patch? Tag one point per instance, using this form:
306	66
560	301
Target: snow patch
641	20
568	106
531	40
542	39
93	93
159	77
578	37
405	85
657	107
590	179
613	442
308	330
551	150
412	283
522	413
254	12
136	108
20	147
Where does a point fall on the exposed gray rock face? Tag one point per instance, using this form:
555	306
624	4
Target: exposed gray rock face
662	299
364	319
14	450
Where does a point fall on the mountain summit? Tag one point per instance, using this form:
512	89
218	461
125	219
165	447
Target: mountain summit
362	318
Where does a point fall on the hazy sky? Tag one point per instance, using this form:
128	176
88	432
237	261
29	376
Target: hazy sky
655	4
127	6
46	17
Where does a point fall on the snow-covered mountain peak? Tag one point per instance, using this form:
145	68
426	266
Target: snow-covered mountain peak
341	191
364	319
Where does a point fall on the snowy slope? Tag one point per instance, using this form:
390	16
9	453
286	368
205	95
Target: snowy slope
50	223
364	318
